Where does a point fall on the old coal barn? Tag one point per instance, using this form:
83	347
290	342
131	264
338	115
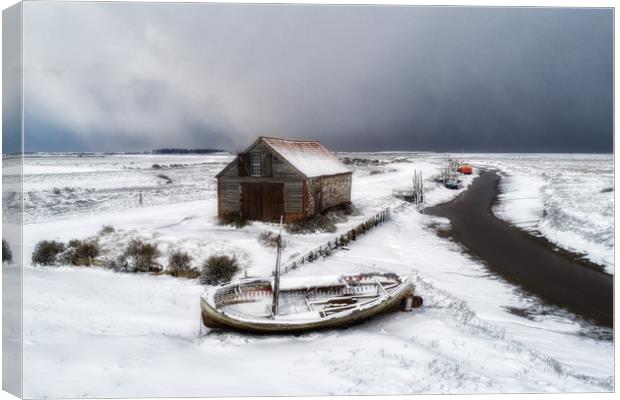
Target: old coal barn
281	177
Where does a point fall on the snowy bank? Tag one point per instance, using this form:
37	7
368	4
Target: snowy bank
567	198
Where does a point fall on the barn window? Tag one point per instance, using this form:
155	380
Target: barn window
256	167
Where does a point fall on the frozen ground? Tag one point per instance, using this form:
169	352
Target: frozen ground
569	199
90	332
57	187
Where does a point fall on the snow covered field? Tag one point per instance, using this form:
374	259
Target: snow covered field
57	187
90	332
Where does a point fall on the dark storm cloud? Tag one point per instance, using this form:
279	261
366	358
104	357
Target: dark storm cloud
122	76
11	78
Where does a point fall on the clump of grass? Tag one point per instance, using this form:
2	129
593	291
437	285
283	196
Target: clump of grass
325	221
47	252
347	209
342	212
237	221
218	269
81	252
317	223
106	230
7	255
269	239
139	256
179	264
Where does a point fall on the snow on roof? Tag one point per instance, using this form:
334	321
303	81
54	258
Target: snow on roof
308	156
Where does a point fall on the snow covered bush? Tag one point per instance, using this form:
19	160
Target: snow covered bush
179	264
106	229
218	269
46	252
7	255
139	256
80	252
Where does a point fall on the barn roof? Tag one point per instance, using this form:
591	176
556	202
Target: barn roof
309	157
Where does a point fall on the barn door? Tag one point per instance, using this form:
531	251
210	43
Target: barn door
273	201
251	200
262	201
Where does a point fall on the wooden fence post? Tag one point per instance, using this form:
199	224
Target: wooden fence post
340	241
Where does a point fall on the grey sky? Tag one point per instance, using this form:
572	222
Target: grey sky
138	76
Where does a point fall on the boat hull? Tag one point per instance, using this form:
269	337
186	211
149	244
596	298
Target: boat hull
215	318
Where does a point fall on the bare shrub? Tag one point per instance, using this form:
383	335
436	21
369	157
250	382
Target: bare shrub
218	269
139	256
179	263
80	252
46	252
269	239
7	255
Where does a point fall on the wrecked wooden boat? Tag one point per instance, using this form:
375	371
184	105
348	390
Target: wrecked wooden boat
305	303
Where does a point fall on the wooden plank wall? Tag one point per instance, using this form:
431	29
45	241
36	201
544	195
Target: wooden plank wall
229	195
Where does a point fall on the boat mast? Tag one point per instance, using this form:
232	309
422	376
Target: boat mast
276	278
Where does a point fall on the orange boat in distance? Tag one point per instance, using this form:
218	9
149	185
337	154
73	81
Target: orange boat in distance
465	168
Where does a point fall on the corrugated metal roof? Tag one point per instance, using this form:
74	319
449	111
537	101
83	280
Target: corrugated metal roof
309	157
